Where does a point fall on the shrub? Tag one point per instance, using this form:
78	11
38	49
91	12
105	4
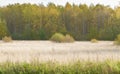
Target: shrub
94	40
58	37
69	38
7	39
117	40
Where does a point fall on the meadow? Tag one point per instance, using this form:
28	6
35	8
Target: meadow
25	51
46	57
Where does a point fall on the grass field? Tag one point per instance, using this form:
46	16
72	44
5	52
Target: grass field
26	51
45	57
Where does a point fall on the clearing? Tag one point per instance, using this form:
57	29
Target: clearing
20	51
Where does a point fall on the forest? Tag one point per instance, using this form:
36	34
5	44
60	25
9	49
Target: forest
40	22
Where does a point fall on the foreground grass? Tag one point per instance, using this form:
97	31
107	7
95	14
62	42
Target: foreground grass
106	67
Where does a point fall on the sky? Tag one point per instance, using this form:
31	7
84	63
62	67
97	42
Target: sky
111	3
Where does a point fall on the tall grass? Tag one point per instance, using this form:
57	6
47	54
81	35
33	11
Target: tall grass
107	67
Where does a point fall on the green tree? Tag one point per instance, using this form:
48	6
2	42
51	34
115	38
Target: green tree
3	29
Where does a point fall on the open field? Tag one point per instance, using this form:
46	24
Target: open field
26	51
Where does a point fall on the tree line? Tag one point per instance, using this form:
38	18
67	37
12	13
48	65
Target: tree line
39	22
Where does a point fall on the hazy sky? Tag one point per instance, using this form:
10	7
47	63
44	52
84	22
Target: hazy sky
111	3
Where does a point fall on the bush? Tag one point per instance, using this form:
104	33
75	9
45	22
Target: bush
58	37
69	38
94	40
7	39
117	40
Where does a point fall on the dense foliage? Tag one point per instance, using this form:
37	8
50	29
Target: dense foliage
55	68
39	22
3	29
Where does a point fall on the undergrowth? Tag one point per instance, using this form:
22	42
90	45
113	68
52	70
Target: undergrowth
107	67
